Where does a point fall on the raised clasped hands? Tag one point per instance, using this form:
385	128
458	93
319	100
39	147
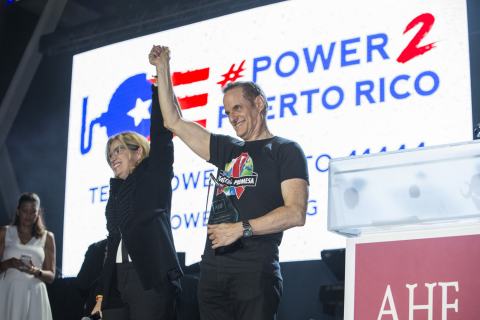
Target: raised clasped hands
159	55
224	234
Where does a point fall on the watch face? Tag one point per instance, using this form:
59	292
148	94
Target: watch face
247	232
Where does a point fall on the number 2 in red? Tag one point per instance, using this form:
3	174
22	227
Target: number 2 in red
412	50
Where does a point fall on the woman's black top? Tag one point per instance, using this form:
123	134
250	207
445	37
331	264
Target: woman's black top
138	210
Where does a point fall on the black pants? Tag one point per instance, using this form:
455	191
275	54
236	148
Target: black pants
132	302
238	296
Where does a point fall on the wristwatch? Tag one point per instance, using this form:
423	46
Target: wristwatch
247	229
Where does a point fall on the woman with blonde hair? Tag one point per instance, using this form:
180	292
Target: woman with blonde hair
141	272
28	262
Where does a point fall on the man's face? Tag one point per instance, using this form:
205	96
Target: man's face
245	118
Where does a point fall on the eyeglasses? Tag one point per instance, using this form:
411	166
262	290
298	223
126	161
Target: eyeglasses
119	150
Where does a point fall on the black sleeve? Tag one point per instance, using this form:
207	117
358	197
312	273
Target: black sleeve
293	163
220	147
92	265
101	280
84	277
100	290
161	145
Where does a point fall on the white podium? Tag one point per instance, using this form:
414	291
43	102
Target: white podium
412	218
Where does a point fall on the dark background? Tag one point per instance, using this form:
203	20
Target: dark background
37	142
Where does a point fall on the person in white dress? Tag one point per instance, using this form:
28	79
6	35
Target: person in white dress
23	294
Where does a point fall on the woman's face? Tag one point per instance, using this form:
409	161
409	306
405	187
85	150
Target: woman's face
28	213
122	162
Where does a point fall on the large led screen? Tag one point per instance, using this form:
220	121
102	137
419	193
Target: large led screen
342	78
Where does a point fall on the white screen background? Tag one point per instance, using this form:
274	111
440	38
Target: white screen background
287	28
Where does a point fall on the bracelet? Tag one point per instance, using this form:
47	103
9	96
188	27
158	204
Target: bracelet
39	274
99	297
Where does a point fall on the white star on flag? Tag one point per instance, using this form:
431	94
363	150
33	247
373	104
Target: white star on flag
140	111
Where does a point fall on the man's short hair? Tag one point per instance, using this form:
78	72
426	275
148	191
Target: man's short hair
250	89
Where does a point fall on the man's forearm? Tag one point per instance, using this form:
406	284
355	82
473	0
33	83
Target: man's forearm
292	214
171	113
278	220
47	276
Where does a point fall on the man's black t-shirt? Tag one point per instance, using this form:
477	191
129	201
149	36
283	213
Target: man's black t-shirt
258	169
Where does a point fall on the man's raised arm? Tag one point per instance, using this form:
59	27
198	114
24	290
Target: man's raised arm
195	136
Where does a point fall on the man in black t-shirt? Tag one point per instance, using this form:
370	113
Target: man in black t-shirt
270	194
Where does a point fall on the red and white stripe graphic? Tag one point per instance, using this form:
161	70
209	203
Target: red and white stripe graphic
194	101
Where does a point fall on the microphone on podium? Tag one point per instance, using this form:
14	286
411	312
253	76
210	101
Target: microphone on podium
94	316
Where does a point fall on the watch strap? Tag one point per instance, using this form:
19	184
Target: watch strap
247	229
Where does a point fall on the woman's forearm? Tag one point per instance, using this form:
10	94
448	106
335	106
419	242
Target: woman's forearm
46	276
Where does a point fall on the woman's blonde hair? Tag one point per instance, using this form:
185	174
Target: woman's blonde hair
129	139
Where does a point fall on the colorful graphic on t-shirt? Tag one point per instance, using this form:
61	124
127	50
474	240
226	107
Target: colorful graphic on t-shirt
238	175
